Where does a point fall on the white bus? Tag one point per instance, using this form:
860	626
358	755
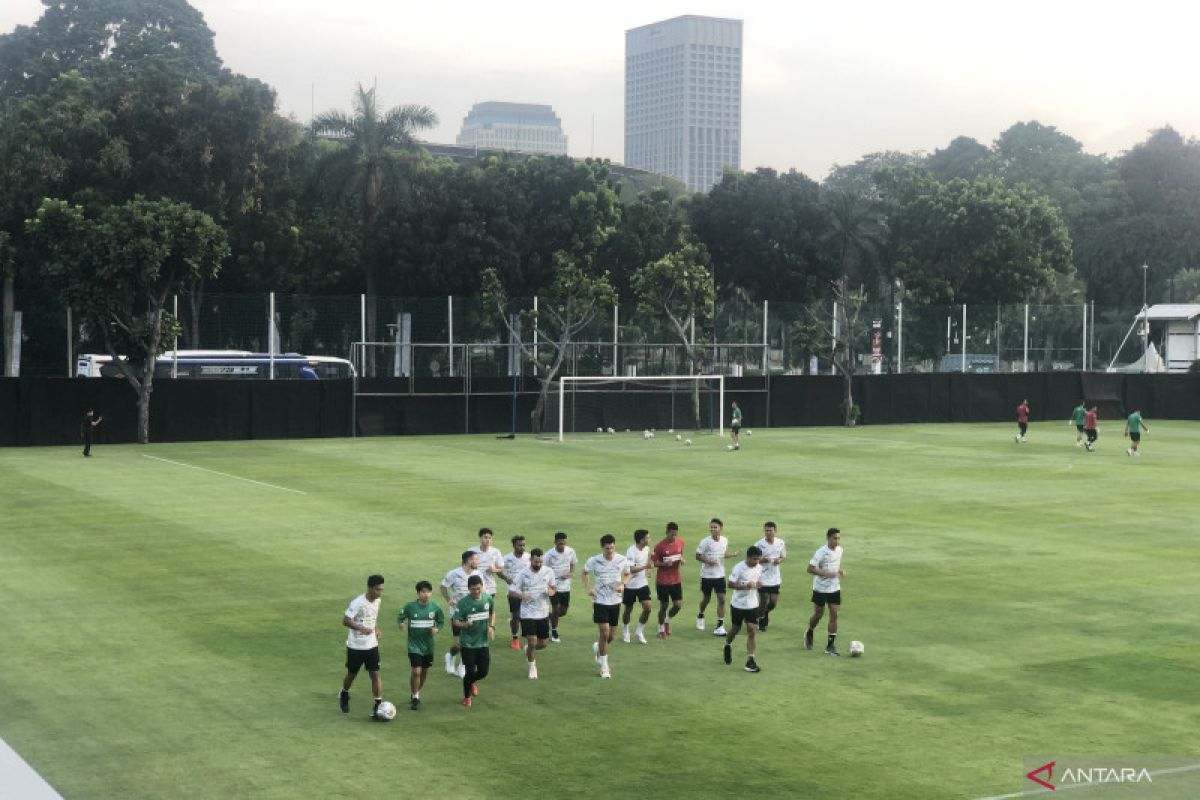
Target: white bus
226	364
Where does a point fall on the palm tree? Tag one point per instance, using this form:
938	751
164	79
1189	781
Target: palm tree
370	166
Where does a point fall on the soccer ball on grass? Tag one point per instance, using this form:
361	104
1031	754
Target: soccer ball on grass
385	711
856	649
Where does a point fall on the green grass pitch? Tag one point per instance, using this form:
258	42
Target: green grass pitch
172	631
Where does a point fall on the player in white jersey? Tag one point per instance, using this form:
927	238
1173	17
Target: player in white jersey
745	580
637	588
514	562
562	560
774	551
490	561
608	572
454	588
362	643
711	552
534	586
826	569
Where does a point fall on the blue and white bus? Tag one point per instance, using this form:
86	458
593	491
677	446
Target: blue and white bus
226	364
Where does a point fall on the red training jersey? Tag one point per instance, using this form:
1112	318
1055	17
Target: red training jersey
1089	420
1023	412
672	553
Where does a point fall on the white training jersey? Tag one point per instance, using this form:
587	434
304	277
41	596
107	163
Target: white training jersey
561	563
714	549
638	558
827	560
606	577
770	572
363	612
534	584
745	599
492	558
456	583
513	564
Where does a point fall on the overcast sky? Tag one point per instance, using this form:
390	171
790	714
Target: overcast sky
824	83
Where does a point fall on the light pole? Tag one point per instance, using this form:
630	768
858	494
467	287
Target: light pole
1145	322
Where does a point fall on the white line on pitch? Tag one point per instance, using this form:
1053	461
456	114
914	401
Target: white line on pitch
1031	792
225	474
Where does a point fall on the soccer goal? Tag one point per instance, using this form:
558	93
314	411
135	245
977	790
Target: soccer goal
660	402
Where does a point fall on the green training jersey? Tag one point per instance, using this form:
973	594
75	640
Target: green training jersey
737	416
421	619
1078	414
1134	423
479	614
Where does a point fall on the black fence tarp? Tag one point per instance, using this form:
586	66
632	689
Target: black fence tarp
48	411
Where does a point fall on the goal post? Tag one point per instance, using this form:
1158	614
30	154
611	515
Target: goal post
641	400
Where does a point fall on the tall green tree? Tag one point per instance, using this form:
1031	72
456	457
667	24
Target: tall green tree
103	36
570	304
118	266
679	288
763	232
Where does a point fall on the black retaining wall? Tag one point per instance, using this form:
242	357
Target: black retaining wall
47	411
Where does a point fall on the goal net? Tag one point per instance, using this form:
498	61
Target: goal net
660	403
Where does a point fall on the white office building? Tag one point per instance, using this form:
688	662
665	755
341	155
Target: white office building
519	127
683	98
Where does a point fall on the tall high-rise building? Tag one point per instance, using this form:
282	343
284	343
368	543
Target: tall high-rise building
683	98
520	127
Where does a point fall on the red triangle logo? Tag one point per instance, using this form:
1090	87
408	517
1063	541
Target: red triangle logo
1049	770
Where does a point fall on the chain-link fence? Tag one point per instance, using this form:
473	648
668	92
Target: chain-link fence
461	336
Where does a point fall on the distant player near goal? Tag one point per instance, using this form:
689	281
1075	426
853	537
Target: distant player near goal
607	572
1133	431
826	569
668	584
1089	428
1022	421
637	588
1078	418
735	425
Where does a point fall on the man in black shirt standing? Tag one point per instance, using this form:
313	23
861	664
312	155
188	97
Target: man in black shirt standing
88	428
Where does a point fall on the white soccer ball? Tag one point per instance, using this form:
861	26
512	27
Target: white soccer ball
749	433
385	711
678	438
688	442
728	447
670	430
856	649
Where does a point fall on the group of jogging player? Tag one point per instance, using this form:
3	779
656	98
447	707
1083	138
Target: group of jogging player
539	595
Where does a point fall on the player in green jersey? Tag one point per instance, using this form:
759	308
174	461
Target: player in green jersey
475	621
1133	431
1077	419
424	619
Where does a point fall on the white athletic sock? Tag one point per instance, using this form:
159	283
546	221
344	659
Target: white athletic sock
661	627
603	662
641	627
625	629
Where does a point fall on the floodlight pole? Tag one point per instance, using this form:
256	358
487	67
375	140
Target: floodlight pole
1025	356
900	337
964	338
271	335
1084	359
1145	322
766	343
450	333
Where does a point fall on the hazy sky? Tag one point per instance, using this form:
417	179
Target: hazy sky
823	83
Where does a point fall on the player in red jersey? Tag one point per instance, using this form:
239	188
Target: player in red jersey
668	558
1022	420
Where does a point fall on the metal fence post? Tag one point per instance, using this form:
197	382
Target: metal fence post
766	342
1025	357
